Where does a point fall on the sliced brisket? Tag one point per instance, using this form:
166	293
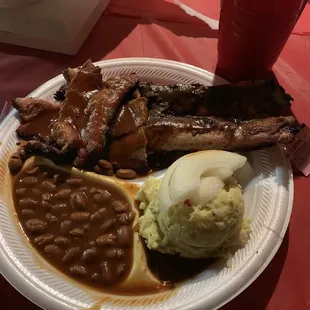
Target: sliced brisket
129	151
36	117
72	116
130	117
100	111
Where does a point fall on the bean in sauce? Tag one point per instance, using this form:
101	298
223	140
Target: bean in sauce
77	225
126	174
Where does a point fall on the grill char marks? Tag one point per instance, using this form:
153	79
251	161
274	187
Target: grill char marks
180	99
246	100
170	133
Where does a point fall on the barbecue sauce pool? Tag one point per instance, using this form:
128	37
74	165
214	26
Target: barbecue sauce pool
68	233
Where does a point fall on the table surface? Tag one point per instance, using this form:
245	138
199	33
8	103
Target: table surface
160	29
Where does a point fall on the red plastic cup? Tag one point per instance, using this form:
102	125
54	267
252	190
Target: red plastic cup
252	34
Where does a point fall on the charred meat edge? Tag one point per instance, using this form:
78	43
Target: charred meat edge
246	100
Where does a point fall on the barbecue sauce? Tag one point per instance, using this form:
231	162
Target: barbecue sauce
40	126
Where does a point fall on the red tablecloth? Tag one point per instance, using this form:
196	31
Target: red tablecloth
160	29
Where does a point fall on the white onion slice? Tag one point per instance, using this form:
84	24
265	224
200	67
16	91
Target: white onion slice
164	190
209	187
185	179
198	176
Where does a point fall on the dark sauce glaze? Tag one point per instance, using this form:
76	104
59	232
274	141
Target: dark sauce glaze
40	128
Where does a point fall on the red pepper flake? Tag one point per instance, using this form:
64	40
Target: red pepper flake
187	203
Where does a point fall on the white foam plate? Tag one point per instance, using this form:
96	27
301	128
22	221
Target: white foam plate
268	190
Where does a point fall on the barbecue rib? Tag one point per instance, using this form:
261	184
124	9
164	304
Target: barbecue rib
167	132
246	100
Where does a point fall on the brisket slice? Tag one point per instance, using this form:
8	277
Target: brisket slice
100	112
128	146
69	74
170	133
36	117
246	100
129	151
130	117
72	117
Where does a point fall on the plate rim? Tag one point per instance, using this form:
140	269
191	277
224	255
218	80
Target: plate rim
32	293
